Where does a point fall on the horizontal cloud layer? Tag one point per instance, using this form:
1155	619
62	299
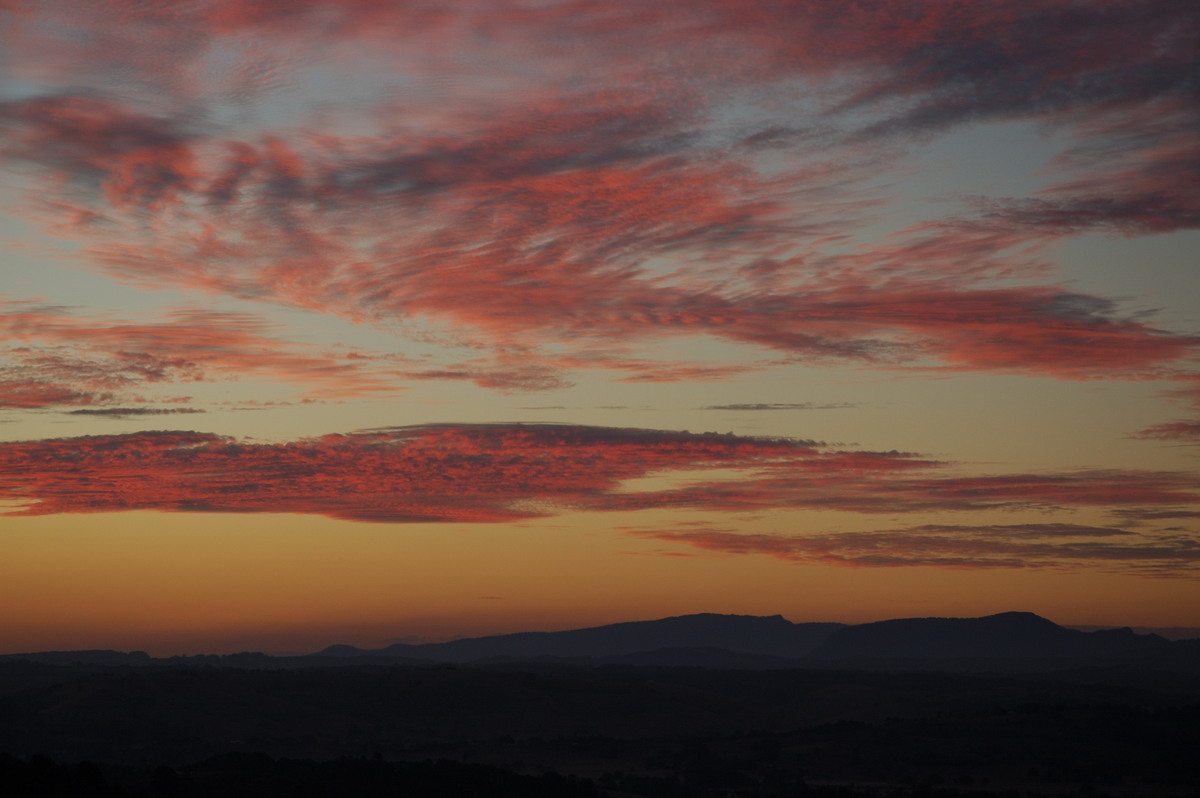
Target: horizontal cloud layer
505	472
433	473
1003	546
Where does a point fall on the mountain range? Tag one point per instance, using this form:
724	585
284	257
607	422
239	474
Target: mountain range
1005	642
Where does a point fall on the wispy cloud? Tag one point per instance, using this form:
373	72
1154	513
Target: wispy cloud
133	412
1185	431
987	546
55	357
780	406
1173	431
865	482
611	197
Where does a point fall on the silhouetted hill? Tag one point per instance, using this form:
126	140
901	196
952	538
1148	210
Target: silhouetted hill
762	707
1167	632
1010	641
773	636
672	732
90	657
994	639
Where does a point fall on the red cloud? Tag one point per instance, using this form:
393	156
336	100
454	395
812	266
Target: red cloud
511	247
1184	431
19	392
608	192
438	473
988	546
873	483
507	472
134	159
56	358
1177	431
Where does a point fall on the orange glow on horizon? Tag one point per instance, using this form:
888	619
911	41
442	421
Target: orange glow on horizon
174	584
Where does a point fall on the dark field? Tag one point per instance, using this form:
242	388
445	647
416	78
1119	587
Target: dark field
530	729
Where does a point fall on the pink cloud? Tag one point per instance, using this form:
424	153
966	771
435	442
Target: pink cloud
1173	431
55	357
984	546
16	392
603	200
1185	431
510	471
878	483
433	473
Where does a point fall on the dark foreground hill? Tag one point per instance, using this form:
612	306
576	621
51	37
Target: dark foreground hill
617	731
1008	705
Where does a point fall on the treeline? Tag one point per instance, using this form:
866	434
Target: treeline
261	776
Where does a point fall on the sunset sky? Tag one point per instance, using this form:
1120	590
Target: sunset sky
361	321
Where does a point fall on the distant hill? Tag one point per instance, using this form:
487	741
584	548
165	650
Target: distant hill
1006	641
1008	634
1168	632
89	657
998	639
772	636
1009	641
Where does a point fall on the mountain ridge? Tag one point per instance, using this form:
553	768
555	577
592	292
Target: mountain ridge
1002	641
771	635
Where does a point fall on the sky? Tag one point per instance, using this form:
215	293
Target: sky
365	321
